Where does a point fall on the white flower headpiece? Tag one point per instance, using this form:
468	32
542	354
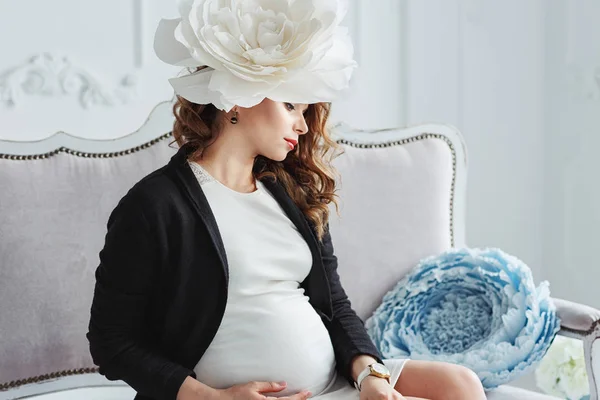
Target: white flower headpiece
285	50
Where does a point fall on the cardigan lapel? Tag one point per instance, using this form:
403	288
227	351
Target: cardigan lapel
198	199
316	283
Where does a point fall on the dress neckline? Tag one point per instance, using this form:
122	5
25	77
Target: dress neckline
205	177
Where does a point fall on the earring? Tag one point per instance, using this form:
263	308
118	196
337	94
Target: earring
234	119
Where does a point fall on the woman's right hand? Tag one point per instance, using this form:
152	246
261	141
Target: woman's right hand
258	391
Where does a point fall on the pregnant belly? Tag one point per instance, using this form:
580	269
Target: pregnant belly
268	338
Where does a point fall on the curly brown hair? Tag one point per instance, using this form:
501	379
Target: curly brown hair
306	173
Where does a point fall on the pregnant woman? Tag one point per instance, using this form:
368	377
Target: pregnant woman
217	279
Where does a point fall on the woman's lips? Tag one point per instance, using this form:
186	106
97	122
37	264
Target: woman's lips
292	143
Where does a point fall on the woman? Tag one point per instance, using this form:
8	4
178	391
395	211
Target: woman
218	277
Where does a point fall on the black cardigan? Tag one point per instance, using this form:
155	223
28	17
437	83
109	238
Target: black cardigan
161	286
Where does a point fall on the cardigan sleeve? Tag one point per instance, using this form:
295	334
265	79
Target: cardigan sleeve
347	331
124	278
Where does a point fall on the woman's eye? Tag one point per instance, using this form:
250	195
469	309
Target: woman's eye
290	106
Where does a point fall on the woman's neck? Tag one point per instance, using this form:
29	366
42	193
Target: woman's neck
230	172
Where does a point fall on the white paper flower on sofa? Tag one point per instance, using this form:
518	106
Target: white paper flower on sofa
562	370
475	307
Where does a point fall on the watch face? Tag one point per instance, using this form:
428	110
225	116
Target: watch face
380	369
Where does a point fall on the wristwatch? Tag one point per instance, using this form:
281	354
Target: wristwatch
375	369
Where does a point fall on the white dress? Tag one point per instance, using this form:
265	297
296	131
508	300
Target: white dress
270	331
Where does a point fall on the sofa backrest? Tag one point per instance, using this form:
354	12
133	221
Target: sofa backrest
53	213
398	190
402	199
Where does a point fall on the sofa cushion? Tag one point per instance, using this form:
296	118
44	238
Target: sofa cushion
52	226
506	392
395	204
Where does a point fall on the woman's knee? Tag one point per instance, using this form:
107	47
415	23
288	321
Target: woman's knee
439	381
464	384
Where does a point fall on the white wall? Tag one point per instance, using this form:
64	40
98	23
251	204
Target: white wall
572	164
467	68
80	67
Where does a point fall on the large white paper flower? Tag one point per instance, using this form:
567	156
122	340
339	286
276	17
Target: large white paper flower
285	50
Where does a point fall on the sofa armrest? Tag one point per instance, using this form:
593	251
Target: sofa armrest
583	322
577	319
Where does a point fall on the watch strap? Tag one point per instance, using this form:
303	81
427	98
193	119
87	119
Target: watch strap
364	373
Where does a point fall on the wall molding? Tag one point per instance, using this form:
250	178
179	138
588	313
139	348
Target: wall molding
51	75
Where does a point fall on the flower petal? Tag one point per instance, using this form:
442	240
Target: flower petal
194	87
167	48
186	36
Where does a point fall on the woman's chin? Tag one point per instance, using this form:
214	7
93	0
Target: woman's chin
277	155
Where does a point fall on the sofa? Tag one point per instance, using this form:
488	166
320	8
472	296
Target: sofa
404	186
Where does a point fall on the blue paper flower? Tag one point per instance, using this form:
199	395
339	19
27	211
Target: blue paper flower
475	307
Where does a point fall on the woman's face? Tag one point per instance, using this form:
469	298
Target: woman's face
270	123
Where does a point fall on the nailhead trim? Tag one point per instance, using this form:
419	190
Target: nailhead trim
84	154
340	141
413	139
591	330
52	375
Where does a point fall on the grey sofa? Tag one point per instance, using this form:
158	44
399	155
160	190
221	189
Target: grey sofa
406	186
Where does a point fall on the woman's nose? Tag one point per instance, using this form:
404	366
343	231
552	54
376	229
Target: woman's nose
301	127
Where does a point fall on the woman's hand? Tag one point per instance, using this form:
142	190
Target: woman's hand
374	388
258	391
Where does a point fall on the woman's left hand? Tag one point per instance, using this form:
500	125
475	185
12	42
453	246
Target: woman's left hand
373	388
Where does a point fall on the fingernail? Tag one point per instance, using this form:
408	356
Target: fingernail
282	383
308	394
